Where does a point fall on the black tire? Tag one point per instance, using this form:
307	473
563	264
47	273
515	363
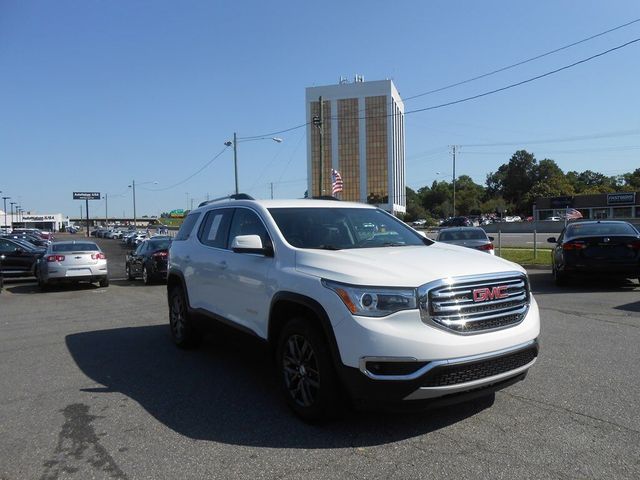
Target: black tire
183	331
560	278
104	282
306	373
128	271
44	286
146	276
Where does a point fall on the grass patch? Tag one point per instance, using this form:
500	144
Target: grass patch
524	256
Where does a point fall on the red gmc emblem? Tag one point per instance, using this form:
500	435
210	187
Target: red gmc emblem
484	294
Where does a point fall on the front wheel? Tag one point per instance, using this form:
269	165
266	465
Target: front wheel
307	376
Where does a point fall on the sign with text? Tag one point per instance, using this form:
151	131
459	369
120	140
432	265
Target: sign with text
621	198
86	195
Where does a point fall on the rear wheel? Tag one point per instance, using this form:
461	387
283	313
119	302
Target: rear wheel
104	282
183	332
41	283
307	376
559	277
146	277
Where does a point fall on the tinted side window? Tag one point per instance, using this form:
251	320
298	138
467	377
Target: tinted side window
6	246
215	227
187	226
247	222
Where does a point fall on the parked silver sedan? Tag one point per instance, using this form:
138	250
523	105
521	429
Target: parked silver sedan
471	237
72	261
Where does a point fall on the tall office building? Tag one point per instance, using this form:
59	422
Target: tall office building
363	139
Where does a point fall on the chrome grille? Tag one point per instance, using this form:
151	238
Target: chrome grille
476	304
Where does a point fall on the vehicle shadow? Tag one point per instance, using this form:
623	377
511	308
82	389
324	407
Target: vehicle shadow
225	391
30	288
544	283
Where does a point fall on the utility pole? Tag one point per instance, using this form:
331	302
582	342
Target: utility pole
235	159
318	121
271	190
454	179
106	212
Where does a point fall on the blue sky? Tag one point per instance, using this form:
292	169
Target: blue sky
94	94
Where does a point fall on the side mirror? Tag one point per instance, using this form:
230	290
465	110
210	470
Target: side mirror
132	253
491	238
19	250
551	240
250	244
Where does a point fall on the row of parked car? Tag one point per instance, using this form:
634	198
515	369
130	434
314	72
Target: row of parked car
607	248
81	260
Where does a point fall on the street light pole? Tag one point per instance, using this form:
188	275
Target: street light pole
5	209
106	211
235	152
135	220
12	204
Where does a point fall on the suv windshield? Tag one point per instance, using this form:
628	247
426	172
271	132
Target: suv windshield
342	228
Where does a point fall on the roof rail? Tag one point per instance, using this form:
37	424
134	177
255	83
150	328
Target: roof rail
325	197
235	196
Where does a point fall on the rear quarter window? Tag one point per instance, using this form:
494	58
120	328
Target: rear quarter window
187	227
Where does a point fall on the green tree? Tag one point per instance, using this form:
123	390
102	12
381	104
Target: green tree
514	179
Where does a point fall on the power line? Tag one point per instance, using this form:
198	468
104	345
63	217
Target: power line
508	67
484	94
257	137
621	133
517	84
192	175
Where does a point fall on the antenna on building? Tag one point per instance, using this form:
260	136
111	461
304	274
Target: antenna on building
343	80
358	79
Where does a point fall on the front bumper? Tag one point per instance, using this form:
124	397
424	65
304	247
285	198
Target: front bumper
438	381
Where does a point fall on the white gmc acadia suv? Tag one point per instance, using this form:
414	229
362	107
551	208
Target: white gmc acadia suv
353	301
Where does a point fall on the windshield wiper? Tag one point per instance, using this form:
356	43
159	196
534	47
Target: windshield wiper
328	247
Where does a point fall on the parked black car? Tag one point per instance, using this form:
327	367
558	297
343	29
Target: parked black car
149	260
32	239
457	222
18	260
604	248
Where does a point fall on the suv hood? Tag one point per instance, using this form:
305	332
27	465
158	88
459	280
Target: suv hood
410	266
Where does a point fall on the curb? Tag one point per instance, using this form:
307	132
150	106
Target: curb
536	267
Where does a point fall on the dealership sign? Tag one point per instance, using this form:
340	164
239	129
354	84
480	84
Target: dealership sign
39	218
86	195
621	198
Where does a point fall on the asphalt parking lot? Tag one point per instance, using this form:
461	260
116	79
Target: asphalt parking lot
92	387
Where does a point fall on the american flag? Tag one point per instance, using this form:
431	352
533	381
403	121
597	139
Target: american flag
336	182
572	214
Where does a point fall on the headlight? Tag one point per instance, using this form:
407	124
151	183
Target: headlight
373	301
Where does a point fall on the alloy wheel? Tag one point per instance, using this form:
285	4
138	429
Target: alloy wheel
300	370
177	318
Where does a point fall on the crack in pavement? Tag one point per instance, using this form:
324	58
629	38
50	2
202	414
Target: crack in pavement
538	403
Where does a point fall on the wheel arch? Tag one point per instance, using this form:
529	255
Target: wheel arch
176	278
285	305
